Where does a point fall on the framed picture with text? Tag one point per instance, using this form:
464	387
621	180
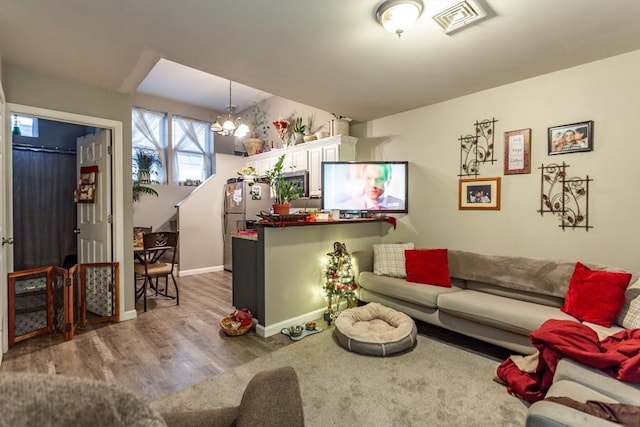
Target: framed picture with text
572	138
517	152
479	194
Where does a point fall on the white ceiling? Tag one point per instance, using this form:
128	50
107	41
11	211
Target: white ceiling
330	54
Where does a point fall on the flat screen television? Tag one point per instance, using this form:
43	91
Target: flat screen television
371	186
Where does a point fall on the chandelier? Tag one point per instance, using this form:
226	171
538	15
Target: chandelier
230	126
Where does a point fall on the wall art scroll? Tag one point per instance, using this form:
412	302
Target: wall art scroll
477	149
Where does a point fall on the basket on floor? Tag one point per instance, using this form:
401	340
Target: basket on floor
229	326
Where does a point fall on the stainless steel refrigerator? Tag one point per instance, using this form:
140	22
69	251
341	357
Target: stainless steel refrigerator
242	202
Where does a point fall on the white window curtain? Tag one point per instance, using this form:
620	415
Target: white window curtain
192	148
149	132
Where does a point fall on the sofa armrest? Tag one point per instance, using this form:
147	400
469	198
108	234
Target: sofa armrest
551	414
272	399
623	392
361	261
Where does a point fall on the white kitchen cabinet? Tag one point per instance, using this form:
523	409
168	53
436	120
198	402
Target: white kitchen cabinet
308	156
337	148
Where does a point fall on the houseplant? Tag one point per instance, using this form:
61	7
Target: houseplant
298	130
311	131
144	160
258	128
283	191
139	190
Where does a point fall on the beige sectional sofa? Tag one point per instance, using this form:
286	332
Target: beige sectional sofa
497	299
501	300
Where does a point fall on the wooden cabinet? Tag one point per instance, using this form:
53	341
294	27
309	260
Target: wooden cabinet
308	156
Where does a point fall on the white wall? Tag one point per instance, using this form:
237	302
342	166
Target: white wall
606	91
200	220
157	212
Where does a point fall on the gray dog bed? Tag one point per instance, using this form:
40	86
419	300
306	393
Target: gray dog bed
375	330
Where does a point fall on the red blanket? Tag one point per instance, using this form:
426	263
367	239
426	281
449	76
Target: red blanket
617	355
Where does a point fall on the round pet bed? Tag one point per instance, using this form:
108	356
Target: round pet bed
375	330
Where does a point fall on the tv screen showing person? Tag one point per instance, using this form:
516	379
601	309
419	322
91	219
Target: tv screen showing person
365	186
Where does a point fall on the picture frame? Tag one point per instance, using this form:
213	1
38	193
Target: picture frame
517	152
479	194
571	138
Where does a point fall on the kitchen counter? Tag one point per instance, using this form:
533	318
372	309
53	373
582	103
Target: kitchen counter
266	223
245	234
279	274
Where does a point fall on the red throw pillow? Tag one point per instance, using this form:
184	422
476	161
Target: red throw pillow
430	266
595	296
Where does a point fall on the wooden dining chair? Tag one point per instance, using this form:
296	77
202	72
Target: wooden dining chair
159	253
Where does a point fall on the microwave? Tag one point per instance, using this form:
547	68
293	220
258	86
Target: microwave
301	177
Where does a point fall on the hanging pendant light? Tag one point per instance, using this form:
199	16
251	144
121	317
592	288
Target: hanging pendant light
230	126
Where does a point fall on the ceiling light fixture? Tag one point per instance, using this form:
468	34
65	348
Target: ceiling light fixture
230	126
397	16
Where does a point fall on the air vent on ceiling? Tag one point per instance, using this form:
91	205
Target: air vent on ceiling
460	15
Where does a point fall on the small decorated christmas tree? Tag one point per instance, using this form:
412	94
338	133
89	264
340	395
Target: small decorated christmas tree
339	281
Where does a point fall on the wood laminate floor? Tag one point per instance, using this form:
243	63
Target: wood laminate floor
164	350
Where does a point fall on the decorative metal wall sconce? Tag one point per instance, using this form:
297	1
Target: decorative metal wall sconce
566	197
477	149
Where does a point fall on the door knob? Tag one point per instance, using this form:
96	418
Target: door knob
76	231
6	241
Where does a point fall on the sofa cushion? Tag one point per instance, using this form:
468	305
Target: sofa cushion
594	295
534	297
629	315
401	289
603	331
505	313
429	266
388	259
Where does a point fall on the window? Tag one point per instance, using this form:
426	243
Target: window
25	125
149	133
185	150
192	146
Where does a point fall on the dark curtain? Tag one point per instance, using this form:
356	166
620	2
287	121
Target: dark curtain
44	214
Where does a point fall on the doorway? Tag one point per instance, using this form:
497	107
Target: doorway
120	252
44	180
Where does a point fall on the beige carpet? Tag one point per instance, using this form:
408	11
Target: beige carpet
434	384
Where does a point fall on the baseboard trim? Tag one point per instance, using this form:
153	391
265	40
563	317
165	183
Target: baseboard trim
274	329
195	271
128	315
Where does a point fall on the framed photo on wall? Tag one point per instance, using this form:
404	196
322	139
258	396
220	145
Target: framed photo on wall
572	138
517	152
479	194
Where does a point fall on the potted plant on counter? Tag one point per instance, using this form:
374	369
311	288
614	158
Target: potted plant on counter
283	191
